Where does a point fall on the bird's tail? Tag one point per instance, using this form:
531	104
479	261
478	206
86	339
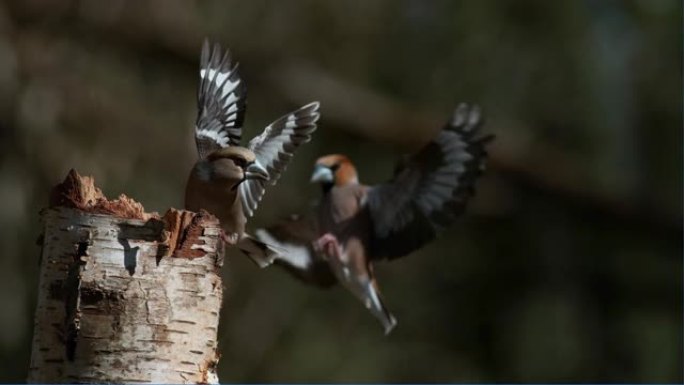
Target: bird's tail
366	289
374	302
259	252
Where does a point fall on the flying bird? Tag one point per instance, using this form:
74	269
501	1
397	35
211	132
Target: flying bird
229	180
355	225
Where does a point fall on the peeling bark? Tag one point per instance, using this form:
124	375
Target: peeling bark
125	296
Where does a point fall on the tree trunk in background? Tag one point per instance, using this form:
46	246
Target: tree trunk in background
125	296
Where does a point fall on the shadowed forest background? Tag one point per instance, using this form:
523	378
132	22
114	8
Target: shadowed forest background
568	264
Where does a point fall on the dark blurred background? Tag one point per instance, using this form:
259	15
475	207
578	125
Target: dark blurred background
568	264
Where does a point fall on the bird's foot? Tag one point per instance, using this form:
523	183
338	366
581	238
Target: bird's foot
328	245
229	238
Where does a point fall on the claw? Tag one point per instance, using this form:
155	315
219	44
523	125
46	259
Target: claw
328	246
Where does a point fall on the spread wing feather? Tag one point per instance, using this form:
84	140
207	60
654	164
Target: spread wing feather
221	102
274	149
430	189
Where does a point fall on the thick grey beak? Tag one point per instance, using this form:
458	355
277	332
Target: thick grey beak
322	174
256	171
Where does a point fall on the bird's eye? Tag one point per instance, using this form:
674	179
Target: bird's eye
334	167
240	162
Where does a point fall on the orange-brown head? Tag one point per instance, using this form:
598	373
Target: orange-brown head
334	170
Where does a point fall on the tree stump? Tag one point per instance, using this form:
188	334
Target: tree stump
125	296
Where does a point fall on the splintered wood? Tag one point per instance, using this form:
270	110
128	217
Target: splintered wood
125	296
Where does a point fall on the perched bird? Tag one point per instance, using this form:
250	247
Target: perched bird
356	225
228	180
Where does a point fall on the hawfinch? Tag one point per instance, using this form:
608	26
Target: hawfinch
356	225
228	180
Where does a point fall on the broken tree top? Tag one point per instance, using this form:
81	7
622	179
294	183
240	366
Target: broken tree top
184	232
125	296
80	192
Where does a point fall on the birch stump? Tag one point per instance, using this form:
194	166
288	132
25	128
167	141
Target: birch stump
125	296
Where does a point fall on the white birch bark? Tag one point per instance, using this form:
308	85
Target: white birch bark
115	306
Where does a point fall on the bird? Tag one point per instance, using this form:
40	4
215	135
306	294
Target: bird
356	225
229	180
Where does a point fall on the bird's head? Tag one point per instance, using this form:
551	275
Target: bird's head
334	170
235	165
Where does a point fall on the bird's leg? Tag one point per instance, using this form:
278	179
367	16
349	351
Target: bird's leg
328	246
230	239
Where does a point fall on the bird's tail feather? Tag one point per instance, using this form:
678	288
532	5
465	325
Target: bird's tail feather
367	291
377	307
259	252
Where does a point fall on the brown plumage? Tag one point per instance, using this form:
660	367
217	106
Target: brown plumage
356	225
228	180
213	186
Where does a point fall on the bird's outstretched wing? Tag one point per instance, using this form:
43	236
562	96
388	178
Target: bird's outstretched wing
275	147
220	102
430	189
